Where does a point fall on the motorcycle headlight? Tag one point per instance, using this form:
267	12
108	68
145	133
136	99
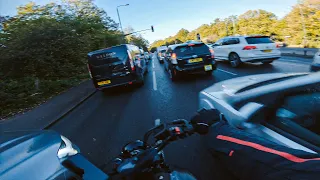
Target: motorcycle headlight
67	148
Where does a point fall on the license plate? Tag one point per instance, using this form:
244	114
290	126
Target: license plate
269	50
104	82
208	67
195	60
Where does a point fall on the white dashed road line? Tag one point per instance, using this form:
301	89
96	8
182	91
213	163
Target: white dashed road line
227	72
154	81
153	64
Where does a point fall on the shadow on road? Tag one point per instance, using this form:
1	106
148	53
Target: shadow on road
191	78
117	91
256	66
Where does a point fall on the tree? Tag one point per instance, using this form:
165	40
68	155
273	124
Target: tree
257	22
181	35
136	39
262	22
46	49
52	40
306	13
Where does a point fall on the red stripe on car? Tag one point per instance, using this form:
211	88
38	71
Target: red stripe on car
259	147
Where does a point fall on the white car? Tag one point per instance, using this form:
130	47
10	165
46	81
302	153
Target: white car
240	49
315	66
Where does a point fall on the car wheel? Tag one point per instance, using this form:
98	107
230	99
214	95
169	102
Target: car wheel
234	60
267	62
173	74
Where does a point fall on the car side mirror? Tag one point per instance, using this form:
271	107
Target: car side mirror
253	112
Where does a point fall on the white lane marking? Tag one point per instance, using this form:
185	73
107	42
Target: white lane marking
153	65
227	72
157	122
154	81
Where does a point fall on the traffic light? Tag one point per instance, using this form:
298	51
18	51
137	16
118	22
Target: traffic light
198	37
152	29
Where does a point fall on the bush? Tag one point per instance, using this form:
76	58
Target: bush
49	43
20	94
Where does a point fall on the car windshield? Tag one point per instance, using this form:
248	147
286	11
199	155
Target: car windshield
191	49
299	114
258	40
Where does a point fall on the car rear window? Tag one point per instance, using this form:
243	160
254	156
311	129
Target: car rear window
259	40
163	51
192	50
108	56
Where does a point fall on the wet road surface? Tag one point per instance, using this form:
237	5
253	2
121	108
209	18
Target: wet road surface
105	122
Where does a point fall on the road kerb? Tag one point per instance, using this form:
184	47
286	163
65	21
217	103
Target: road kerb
69	110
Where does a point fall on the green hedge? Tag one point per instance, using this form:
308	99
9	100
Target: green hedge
20	94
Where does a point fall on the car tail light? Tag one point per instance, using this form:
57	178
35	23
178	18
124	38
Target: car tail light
174	56
89	70
212	53
132	66
249	47
278	45
131	61
191	44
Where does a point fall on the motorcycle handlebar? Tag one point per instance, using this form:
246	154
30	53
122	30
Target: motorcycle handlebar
163	134
174	130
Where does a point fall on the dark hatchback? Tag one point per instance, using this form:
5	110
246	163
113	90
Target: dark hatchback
193	57
116	66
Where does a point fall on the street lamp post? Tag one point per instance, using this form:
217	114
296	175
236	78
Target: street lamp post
119	15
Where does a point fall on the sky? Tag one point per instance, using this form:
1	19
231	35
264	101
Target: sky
169	16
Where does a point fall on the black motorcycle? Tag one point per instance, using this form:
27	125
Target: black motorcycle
145	159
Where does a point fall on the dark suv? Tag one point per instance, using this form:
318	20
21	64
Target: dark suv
116	66
190	57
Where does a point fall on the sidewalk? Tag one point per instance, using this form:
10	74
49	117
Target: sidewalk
50	111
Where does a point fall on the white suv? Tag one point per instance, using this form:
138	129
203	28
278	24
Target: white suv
239	49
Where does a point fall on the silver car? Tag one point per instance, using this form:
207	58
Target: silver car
283	108
315	66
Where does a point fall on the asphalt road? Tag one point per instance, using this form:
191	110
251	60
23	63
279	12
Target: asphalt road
105	122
